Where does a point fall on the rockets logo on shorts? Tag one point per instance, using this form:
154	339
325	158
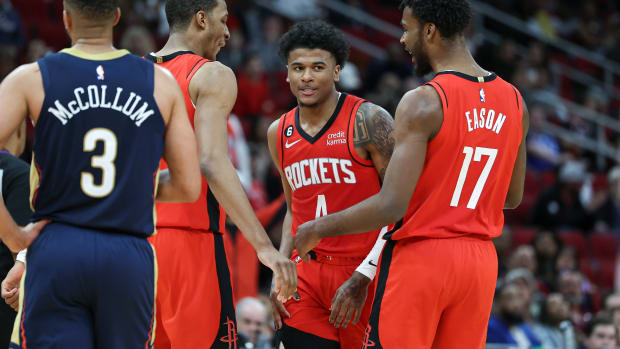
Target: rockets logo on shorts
231	337
367	342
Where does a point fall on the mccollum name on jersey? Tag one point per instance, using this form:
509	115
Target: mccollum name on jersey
319	171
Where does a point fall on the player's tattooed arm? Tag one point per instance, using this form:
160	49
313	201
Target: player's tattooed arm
374	132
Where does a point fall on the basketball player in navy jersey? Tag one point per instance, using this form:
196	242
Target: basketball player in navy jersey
103	120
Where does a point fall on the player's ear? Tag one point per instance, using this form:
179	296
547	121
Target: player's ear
117	16
201	19
429	30
337	73
66	19
287	78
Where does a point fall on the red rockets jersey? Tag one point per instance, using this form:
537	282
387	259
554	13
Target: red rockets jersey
206	213
469	163
327	175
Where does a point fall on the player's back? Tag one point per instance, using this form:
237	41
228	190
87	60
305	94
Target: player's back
205	214
98	142
469	163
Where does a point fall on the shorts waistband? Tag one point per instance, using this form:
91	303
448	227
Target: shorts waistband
335	260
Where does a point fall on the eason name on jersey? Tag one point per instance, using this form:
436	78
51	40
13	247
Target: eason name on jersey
319	171
95	96
482	118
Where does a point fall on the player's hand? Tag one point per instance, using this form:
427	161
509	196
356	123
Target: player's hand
10	285
277	307
284	272
306	238
349	300
23	237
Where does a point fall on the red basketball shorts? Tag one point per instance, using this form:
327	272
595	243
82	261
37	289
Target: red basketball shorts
194	299
433	293
318	282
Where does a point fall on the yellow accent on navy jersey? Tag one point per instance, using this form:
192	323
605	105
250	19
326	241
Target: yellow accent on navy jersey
98	142
106	56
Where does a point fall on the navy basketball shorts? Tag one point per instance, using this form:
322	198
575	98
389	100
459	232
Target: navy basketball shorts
84	289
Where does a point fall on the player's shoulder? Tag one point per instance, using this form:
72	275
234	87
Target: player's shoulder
374	112
421	102
25	72
215	71
272	131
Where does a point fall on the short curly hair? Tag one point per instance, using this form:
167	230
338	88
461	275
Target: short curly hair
315	34
450	16
95	9
179	13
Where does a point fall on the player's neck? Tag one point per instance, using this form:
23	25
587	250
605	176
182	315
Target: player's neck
178	42
95	43
457	58
320	113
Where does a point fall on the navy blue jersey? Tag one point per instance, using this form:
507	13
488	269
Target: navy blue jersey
98	142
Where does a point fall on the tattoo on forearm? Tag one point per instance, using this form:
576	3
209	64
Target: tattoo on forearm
374	126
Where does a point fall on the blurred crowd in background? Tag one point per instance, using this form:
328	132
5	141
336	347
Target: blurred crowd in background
558	252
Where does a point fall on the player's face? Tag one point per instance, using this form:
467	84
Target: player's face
413	42
218	32
312	74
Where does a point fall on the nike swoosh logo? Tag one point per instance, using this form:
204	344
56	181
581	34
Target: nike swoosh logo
371	263
288	145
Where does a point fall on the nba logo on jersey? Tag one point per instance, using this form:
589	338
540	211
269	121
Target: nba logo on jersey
482	99
100	73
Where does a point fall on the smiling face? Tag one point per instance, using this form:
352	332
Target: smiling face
217	33
413	42
312	74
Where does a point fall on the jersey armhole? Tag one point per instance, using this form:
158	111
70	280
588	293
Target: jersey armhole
351	136
444	104
45	79
193	72
280	140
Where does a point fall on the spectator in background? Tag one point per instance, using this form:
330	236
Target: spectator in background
523	257
252	317
533	72
525	281
578	294
543	150
15	190
11	28
234	53
547	246
254	96
388	92
268	46
600	333
567	260
555	329
396	63
507	325
37	49
560	207
590	32
607	216
502	60
138	40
